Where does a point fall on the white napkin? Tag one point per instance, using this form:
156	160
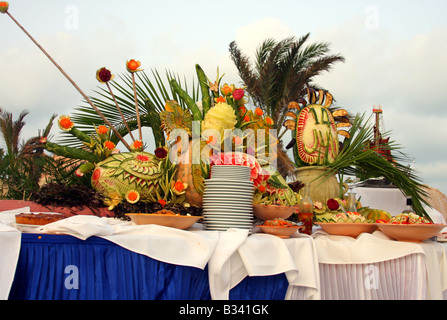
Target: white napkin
190	247
10	239
223	262
366	248
265	255
81	226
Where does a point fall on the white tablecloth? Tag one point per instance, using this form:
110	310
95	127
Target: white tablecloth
230	255
375	267
318	267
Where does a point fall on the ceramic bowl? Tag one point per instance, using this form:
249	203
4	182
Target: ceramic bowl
270	212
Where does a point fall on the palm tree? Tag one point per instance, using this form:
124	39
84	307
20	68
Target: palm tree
281	72
11	130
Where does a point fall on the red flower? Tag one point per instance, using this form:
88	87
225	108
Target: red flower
333	204
259	111
104	75
238	94
162	202
109	145
161	153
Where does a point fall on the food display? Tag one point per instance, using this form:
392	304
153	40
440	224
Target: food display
408	218
279	227
38	218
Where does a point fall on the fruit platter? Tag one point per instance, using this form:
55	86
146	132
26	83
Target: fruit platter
350	224
279	227
409	227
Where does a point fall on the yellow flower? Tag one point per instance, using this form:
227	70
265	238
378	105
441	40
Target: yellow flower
178	187
65	123
132	196
220	117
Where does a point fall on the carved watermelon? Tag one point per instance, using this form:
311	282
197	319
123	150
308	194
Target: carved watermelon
314	129
120	173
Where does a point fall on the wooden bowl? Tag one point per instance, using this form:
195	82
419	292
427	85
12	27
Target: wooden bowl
280	231
173	221
270	212
410	232
348	229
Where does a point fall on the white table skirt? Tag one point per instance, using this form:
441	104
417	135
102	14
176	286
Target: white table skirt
317	267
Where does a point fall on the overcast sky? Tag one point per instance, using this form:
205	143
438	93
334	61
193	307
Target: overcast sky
395	55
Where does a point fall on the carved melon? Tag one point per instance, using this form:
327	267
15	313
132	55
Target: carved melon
314	129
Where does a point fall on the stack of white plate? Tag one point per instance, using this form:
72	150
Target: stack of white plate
228	199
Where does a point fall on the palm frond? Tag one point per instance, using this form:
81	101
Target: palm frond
357	159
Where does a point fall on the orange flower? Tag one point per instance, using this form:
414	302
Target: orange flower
246	118
65	123
242	110
137	145
132	196
133	65
220	99
178	187
4	6
259	111
261	188
103	129
162	202
269	121
109	145
227	90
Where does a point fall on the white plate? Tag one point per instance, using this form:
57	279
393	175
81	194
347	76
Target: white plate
217	206
228	219
223	228
228	182
227	214
230	209
226	196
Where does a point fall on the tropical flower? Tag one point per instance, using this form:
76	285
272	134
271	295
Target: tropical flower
109	145
132	196
102	129
333	204
133	65
220	99
65	123
137	145
162	202
104	75
227	89
178	187
238	94
259	112
4	6
269	121
161	153
247	118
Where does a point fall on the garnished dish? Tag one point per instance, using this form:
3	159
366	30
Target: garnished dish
164	218
410	227
347	224
38	219
279	227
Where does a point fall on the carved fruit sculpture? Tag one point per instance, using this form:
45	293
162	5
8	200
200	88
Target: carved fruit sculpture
123	172
314	129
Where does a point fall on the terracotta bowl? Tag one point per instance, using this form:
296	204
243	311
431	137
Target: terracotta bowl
348	229
280	231
173	221
270	212
410	232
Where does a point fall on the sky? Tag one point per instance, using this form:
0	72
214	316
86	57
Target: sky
394	50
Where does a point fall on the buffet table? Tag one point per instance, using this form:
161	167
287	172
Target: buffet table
87	257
